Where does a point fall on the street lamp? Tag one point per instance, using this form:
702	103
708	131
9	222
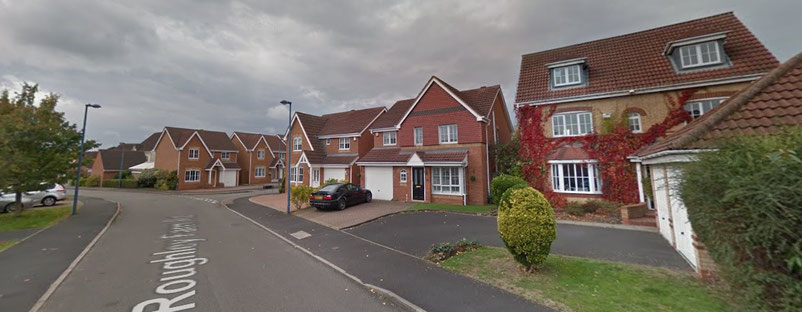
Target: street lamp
287	177
120	173
81	158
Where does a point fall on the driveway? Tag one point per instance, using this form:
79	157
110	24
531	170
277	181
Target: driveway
337	219
416	232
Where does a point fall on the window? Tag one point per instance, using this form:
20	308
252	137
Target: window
297	174
389	138
225	155
576	178
328	141
448	134
446	180
403	175
192	175
568	75
316	175
572	124
699	108
701	54
418	135
634	122
194	153
259	172
260	154
296	143
345	143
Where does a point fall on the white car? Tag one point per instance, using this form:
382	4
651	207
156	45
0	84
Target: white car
7	202
48	197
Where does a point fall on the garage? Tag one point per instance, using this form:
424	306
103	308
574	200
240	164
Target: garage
379	180
333	173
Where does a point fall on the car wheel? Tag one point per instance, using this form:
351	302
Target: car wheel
49	201
341	204
8	208
368	197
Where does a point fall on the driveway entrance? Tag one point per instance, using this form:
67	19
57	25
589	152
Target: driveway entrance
338	219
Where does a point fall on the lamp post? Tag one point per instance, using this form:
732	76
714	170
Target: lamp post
81	158
287	177
120	173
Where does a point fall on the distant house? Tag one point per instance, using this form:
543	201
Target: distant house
109	162
202	158
629	79
768	105
257	152
279	149
436	147
147	146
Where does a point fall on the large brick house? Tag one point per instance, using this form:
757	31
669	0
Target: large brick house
770	104
328	146
108	162
257	152
202	158
630	79
437	146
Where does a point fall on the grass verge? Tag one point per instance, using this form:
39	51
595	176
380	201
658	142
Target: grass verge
34	218
483	209
6	244
578	284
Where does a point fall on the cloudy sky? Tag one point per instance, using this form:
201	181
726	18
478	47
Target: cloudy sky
225	65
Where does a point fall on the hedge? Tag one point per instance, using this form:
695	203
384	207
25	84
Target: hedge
501	183
527	226
127	183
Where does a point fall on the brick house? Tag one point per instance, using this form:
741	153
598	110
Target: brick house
279	149
202	158
630	79
436	147
257	152
108	162
766	106
147	146
328	146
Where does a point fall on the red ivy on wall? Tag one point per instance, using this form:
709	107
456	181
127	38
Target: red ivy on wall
619	182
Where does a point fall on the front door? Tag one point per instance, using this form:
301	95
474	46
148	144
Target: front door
315	177
417	183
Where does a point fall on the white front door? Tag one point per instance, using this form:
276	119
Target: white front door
315	177
228	178
661	201
379	180
683	233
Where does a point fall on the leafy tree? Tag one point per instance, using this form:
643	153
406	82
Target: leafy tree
507	159
36	143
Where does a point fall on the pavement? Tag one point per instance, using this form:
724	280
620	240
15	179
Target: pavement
31	266
424	284
416	232
189	251
16	235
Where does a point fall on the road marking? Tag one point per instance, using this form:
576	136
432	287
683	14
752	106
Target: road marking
208	200
300	235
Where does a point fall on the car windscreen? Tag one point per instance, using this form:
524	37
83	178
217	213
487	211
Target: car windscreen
331	188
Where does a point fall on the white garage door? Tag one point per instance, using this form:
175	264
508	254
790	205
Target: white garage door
661	201
683	233
331	173
379	180
228	178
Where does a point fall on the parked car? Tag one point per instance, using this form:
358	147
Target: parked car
53	193
7	202
338	196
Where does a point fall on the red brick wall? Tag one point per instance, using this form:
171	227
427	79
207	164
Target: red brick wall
468	129
256	162
334	147
97	167
166	154
200	164
243	161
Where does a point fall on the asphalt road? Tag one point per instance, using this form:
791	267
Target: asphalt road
205	256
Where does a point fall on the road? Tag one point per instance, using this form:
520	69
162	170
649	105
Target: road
184	252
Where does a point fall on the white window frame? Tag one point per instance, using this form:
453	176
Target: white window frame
451	132
297	174
565	77
260	154
697	54
418	139
225	155
438	173
634	122
192	175
390	138
315	175
257	171
297	144
688	107
561	183
194	153
563	130
328	141
345	144
403	176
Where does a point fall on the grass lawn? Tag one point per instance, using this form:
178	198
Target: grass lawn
485	209
34	218
6	244
578	284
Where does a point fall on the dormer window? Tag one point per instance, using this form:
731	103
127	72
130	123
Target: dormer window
697	52
567	75
702	54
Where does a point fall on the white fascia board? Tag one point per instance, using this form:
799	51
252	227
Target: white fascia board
202	142
384	110
567	62
693	40
673	156
234	135
574	161
454	96
339	135
380	164
386	129
289	130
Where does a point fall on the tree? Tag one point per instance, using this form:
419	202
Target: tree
36	143
507	159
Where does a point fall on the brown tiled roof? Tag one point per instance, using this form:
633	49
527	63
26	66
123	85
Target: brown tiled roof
248	139
215	140
393	115
769	104
570	151
352	121
385	155
275	143
274	162
150	142
226	164
125	146
454	156
636	60
397	155
335	159
111	159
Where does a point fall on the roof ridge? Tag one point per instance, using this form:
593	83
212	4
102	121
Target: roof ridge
636	32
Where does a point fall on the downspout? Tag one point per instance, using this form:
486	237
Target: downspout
464	199
487	161
250	166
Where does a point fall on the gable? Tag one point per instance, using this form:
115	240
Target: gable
437	100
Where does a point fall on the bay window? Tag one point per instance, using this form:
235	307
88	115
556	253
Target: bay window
447	180
576	177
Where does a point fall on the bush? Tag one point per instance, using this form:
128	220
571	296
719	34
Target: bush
149	177
745	204
527	226
501	183
282	187
574	209
299	195
92	181
125	174
127	183
167	181
441	252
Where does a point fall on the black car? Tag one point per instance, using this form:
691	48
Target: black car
338	196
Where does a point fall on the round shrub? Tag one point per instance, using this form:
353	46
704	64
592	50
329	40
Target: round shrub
526	225
501	183
745	205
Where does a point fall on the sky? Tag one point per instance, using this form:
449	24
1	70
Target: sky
225	66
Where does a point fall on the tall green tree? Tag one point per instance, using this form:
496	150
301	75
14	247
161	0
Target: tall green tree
37	144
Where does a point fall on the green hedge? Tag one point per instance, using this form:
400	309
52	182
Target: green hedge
745	203
527	226
127	183
92	181
501	183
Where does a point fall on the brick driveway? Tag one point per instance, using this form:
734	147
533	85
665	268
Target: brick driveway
351	216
